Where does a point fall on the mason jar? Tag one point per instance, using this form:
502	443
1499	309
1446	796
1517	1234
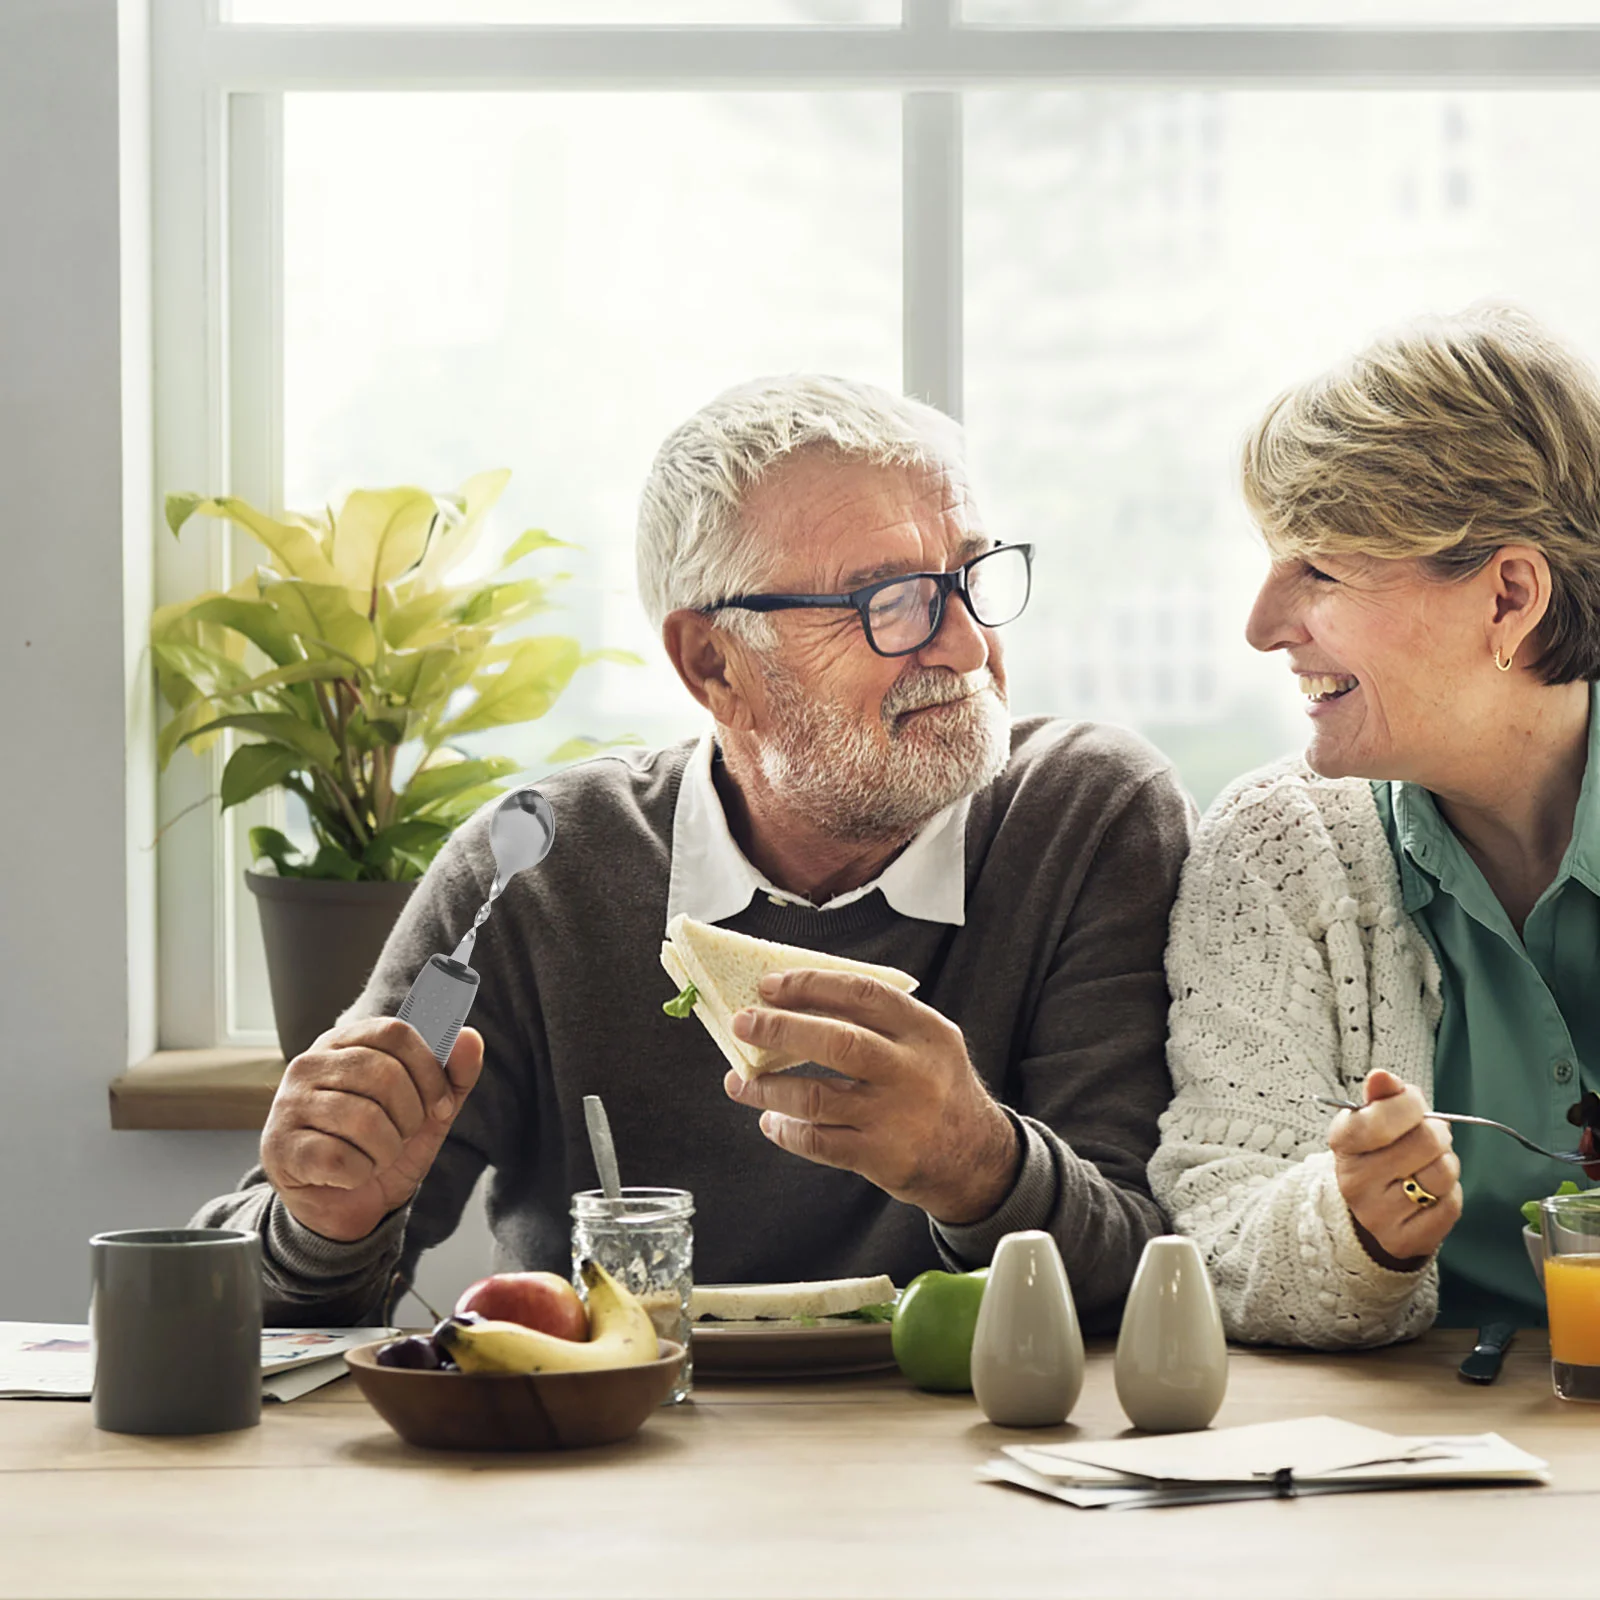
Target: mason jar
643	1238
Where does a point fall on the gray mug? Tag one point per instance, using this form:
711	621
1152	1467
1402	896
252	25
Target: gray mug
175	1326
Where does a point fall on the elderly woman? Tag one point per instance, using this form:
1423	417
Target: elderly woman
1407	917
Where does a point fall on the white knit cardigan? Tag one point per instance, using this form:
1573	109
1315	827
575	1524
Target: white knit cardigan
1294	970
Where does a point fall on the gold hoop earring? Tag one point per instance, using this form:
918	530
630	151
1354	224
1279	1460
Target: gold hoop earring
1504	666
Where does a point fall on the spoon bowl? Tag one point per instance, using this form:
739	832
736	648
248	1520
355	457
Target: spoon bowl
521	832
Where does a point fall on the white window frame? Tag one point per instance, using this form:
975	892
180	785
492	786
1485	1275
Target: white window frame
217	116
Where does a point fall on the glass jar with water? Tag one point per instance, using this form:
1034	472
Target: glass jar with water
644	1239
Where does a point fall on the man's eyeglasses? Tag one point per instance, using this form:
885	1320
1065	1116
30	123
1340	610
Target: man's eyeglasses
900	615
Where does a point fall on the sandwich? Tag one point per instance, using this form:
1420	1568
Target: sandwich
717	972
858	1299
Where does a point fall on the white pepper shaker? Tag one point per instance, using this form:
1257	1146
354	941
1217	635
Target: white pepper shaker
1172	1358
1027	1351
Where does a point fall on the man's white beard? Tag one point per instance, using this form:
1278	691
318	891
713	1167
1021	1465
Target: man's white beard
838	775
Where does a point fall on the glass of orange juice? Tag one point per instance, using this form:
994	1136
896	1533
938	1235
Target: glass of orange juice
1571	1227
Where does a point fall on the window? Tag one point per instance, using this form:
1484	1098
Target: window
410	239
1345	13
610	262
1144	271
588	13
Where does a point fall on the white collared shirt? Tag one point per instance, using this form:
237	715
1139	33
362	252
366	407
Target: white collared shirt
712	879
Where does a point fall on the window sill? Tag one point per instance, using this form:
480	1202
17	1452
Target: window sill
212	1089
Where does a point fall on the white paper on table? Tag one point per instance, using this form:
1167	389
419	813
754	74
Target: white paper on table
289	1383
1134	1492
54	1360
1308	1447
288	1347
1139	1493
1443	1458
1008	1469
1042	1461
45	1359
1367	1459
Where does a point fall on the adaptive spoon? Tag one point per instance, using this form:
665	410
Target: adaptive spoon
521	832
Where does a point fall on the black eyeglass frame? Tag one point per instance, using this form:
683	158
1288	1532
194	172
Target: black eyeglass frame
860	600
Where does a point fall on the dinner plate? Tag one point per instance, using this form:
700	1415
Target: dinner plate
790	1349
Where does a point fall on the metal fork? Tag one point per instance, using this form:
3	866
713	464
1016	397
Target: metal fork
1573	1157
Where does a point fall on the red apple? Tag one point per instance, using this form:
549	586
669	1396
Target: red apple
542	1300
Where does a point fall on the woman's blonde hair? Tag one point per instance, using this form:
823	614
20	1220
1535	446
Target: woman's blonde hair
1444	441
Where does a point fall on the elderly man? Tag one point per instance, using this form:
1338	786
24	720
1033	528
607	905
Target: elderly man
825	589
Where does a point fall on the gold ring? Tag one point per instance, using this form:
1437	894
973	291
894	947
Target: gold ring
1417	1195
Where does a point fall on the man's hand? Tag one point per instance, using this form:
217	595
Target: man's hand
357	1121
1375	1150
915	1119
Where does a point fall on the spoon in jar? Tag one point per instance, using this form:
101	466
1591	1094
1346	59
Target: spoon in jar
600	1142
1575	1157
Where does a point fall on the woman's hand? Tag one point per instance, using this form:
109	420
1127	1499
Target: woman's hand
1375	1150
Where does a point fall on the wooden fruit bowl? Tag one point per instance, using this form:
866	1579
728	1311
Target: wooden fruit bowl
524	1411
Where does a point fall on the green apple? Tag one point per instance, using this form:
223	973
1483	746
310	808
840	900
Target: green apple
933	1327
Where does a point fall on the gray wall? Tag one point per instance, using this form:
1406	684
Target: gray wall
76	896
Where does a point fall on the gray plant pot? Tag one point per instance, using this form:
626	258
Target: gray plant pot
322	941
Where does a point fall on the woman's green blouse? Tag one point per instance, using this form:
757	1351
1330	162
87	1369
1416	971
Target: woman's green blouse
1519	1037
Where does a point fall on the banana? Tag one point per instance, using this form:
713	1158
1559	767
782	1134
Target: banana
616	1312
620	1335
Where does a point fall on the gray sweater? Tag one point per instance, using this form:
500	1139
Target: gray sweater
1056	980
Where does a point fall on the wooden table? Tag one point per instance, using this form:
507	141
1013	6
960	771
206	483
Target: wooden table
852	1486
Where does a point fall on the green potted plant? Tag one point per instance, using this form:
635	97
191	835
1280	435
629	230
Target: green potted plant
351	662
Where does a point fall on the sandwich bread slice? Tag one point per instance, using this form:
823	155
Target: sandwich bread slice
782	1302
723	968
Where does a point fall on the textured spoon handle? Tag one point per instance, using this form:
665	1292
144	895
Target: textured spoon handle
438	1003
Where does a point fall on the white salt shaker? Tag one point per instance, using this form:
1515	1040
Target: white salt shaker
1172	1358
1027	1352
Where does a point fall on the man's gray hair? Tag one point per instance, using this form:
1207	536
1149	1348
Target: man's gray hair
693	545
